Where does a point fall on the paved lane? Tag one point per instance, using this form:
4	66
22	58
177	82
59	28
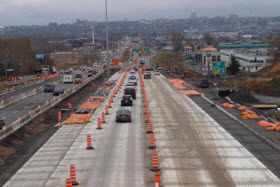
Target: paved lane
194	149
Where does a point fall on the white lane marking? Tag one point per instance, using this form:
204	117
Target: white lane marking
4	117
42	98
15	112
25	106
34	102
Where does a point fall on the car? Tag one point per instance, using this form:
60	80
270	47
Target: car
157	72
49	87
2	124
130	90
132	71
132	79
100	63
126	100
94	72
90	73
104	66
123	115
135	68
130	84
61	72
67	71
58	91
147	75
78	80
71	69
203	84
95	65
78	75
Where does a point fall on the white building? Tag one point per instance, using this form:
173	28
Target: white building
251	60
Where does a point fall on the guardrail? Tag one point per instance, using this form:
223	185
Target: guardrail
14	99
26	119
21	86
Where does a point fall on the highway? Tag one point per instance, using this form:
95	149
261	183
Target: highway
21	108
196	145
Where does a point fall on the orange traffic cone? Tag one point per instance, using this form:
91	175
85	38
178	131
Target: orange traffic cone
112	99
69	105
150	128
68	183
109	104
99	123
148	117
106	110
103	117
157	179
146	109
73	175
89	145
155	162
152	142
59	116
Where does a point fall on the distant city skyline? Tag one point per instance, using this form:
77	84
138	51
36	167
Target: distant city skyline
29	12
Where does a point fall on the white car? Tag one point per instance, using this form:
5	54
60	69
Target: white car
95	65
157	72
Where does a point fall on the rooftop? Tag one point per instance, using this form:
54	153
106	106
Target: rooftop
242	45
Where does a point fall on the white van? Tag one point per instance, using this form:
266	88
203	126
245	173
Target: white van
68	78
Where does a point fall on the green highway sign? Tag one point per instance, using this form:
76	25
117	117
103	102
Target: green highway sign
135	50
218	68
208	55
146	49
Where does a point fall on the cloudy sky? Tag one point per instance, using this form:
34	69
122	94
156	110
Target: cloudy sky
27	12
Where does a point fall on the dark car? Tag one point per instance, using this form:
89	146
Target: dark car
2	124
58	91
130	84
94	72
49	87
104	66
203	84
123	115
90	74
78	76
126	100
130	90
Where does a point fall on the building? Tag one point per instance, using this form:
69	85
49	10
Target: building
207	55
242	46
251	60
193	15
225	34
65	55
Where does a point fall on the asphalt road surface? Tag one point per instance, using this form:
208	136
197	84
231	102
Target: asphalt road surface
19	109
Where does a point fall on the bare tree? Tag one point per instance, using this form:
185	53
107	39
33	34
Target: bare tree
274	50
208	38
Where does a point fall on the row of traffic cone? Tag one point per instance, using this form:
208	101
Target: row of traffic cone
72	180
155	163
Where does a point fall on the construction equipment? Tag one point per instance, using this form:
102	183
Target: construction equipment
187	74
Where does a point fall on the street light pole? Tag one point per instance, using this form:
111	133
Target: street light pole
107	42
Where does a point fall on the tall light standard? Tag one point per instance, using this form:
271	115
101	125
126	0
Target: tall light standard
107	42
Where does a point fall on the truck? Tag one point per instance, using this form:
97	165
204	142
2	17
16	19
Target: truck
68	78
142	63
147	75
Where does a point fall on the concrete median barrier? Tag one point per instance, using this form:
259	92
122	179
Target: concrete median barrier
26	119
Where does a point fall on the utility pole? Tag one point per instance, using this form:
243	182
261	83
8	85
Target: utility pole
107	42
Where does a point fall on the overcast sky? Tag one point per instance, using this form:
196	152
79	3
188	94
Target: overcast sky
27	12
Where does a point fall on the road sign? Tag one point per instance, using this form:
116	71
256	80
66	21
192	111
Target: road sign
40	56
146	49
218	68
115	61
135	50
208	55
141	49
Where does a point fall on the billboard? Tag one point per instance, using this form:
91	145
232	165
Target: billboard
40	56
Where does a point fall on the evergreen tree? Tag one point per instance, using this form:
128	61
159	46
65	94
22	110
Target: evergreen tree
234	66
